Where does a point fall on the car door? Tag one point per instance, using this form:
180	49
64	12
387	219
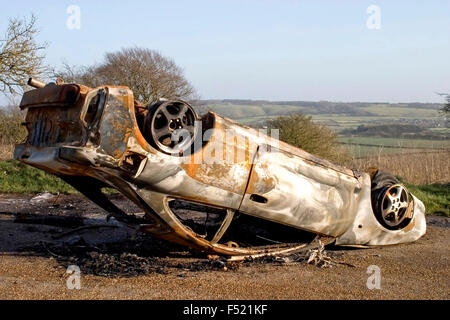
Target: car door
300	190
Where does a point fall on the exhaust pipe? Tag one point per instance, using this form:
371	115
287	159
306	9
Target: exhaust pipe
35	83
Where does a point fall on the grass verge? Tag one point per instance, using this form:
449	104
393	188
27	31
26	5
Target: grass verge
16	177
436	197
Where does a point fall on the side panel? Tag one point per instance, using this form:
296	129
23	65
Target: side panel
294	191
215	174
225	161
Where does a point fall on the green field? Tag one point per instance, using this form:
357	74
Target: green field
359	146
339	122
404	112
441	130
400	143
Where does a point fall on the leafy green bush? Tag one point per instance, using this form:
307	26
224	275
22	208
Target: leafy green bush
300	131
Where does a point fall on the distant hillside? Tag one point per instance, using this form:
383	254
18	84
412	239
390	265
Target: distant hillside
340	116
249	102
241	109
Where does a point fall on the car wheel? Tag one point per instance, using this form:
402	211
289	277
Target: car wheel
391	201
171	126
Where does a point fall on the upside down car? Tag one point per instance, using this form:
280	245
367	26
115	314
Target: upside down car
207	182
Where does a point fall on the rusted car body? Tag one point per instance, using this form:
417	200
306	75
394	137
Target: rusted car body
101	137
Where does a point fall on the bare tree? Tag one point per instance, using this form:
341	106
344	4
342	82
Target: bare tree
446	108
86	75
149	74
21	55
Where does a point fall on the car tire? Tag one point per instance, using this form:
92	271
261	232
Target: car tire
390	201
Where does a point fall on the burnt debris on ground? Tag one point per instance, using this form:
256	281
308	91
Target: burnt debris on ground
73	231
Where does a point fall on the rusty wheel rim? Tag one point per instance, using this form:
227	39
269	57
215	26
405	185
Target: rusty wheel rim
173	127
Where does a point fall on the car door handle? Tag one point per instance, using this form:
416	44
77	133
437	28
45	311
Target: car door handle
258	198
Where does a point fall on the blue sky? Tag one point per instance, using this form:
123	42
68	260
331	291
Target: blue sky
267	49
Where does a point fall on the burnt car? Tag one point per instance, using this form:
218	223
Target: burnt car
208	182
